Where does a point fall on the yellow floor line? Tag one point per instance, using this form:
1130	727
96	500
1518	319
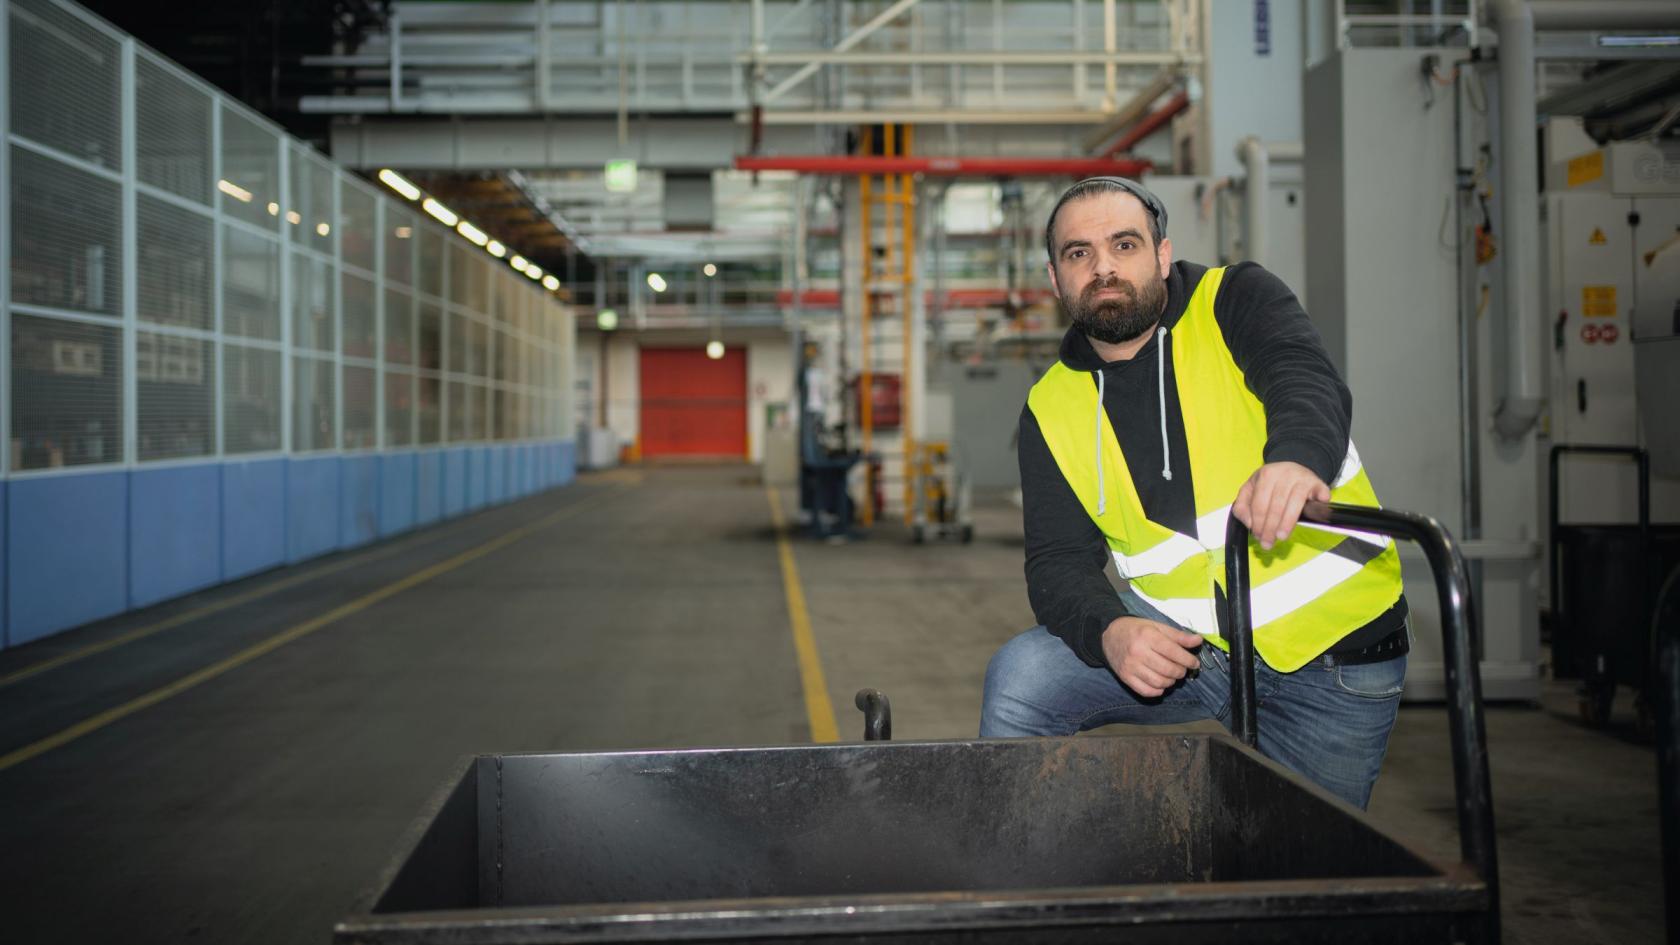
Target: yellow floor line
95	723
818	708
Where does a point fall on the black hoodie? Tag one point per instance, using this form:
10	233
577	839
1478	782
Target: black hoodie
1308	415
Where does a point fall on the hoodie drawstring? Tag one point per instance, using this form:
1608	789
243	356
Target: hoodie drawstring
1161	389
1161	392
1102	495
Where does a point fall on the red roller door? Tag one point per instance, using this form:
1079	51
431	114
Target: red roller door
693	405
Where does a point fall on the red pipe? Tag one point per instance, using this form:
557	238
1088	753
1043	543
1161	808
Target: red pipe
946	166
1150	124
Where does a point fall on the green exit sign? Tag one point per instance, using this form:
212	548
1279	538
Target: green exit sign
621	176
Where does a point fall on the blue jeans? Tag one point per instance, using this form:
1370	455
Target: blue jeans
1325	721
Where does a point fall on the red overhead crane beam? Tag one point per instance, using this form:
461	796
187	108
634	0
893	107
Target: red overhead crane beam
945	166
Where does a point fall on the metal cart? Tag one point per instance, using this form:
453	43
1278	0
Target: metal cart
1604	579
941	505
1150	838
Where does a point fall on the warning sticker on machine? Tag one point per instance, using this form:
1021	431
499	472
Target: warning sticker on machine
1597	239
1598	301
1586	168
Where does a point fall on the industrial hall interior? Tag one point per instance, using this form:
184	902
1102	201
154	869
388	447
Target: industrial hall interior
950	471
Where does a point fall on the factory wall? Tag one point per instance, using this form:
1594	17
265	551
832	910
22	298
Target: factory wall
222	354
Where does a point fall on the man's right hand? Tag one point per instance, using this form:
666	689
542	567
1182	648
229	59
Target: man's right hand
1148	656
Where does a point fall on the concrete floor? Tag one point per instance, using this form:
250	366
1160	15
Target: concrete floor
643	608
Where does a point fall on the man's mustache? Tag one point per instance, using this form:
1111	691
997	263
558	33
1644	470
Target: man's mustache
1113	282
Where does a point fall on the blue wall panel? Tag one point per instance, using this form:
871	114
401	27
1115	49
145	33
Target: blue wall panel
568	463
78	547
359	501
312	507
68	537
253	517
495	489
478	472
428	487
174	533
4	642
454	482
396	493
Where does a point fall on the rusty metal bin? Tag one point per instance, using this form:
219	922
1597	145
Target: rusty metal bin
1137	838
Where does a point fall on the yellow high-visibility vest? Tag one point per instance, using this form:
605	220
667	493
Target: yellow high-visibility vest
1308	592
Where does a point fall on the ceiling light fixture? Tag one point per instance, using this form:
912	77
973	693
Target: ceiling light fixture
399	183
442	213
234	190
473	233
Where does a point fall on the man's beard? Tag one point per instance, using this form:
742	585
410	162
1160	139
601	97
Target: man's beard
1118	320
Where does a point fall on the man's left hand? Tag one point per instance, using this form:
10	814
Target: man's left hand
1270	502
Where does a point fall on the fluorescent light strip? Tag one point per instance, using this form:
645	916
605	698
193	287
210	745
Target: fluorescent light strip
519	262
472	233
550	283
399	183
443	214
496	249
234	190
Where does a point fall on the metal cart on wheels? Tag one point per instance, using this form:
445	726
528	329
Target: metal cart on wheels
941	504
1603	582
1150	838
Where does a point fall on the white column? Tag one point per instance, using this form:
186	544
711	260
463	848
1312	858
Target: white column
130	264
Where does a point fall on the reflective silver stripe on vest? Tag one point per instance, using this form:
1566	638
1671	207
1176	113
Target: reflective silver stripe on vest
1210	534
1279	596
1350	467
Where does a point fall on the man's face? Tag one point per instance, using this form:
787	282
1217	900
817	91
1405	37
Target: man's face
1106	272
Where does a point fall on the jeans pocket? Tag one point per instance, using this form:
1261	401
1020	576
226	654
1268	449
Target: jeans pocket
1373	680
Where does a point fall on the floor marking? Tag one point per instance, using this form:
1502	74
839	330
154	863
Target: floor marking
95	723
819	710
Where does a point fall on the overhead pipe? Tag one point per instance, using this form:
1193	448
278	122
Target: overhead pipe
945	166
1257	157
1149	125
1519	406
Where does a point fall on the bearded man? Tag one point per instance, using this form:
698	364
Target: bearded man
1184	394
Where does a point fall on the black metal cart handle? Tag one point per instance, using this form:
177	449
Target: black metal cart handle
877	715
1464	681
1642	459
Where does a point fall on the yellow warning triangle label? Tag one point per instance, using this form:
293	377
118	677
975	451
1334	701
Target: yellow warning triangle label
1598	237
